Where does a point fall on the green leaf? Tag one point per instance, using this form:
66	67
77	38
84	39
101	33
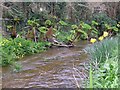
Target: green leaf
42	29
94	23
74	27
107	26
91	77
115	29
63	23
86	26
9	26
48	22
83	32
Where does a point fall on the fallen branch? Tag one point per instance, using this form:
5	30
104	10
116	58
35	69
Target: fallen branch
62	45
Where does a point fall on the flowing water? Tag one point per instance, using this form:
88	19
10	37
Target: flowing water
50	69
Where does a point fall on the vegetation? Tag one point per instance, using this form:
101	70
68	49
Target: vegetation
36	37
33	27
13	49
104	64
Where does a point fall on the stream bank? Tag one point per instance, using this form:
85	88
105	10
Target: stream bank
50	69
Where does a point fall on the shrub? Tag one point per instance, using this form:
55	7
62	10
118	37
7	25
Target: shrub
17	48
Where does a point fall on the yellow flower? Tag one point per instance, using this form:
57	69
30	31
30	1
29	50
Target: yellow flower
93	40
101	38
19	44
105	34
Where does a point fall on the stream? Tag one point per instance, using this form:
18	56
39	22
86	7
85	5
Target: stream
50	69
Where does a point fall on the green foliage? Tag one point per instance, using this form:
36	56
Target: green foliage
94	23
32	23
16	20
17	48
118	25
107	26
101	50
48	23
104	61
9	26
94	31
113	28
84	35
91	77
86	26
16	67
107	74
74	27
71	35
42	29
63	23
63	36
85	29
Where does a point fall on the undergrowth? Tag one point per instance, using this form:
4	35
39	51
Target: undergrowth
104	64
14	49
